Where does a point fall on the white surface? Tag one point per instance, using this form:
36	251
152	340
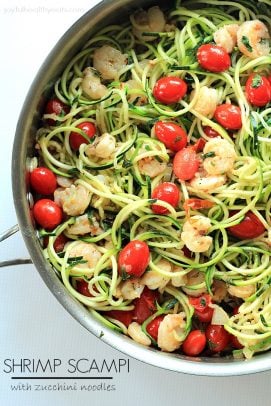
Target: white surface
33	323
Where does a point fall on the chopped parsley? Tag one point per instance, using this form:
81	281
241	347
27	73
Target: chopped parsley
246	42
256	81
210	154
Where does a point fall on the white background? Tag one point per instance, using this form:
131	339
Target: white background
33	323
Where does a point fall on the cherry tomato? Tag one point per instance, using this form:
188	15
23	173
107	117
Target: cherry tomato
258	90
235	342
145	305
250	227
187	253
217	337
194	343
124	317
229	116
43	181
168	192
134	258
210	132
153	326
170	134
199	145
55	106
77	139
82	287
196	204
185	164
213	58
235	310
47	213
169	89
59	243
202	309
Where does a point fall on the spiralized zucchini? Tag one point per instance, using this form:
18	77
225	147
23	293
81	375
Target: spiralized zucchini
121	187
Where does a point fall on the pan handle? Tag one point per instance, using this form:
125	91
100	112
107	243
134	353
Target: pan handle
19	261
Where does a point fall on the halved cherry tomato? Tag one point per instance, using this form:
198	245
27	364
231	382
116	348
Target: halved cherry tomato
172	135
168	192
77	139
43	181
145	305
194	343
235	342
187	253
82	287
217	337
59	243
229	116
124	317
250	227
258	90
196	204
55	106
202	309
213	58
47	213
153	326
210	132
133	259
169	89
199	145
185	164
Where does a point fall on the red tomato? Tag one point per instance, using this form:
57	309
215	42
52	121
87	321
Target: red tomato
82	287
258	90
153	326
168	192
199	145
59	243
210	132
235	342
194	343
43	181
169	89
55	106
77	139
187	253
201	307
47	213
124	317
134	258
145	305
196	204
217	337
229	116
235	310
170	134
250	227
213	58
185	164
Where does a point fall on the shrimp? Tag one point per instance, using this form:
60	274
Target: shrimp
135	92
89	253
130	289
92	86
193	234
203	182
222	159
62	181
152	20
109	62
171	332
195	277
253	39
155	280
74	200
178	280
242	291
226	37
83	226
102	147
151	167
219	289
207	101
136	333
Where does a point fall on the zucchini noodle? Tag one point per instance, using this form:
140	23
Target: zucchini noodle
105	186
